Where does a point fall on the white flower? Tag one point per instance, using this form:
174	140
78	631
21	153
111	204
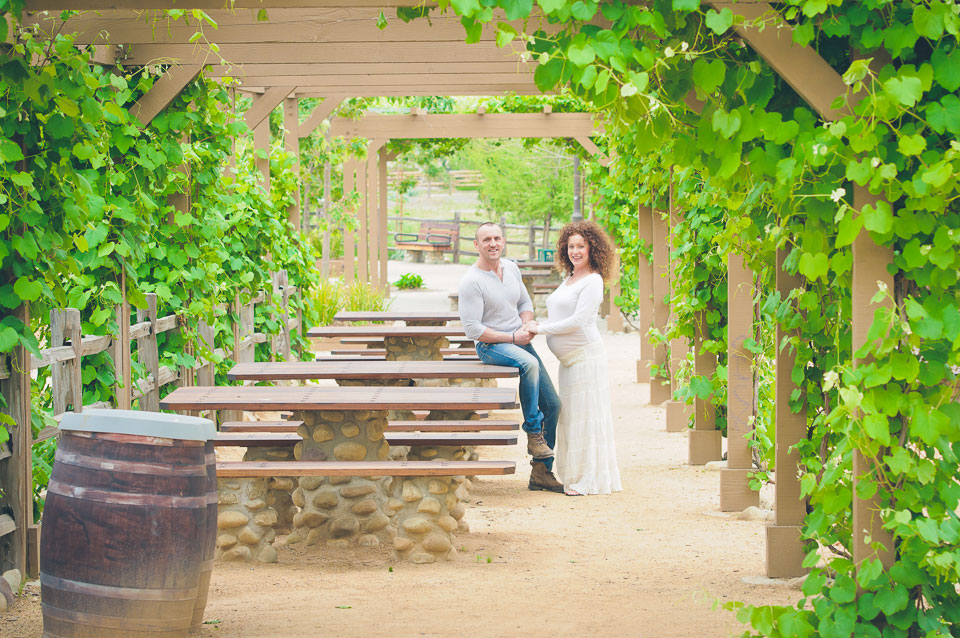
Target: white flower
684	46
881	285
668	52
838	194
830	380
875	162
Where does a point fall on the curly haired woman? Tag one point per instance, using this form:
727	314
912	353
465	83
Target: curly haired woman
585	450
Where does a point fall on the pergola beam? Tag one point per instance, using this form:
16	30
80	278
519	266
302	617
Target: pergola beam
471	125
163	92
319	114
344	83
264	104
436	67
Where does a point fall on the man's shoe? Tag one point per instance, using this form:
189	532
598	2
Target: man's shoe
537	447
543	479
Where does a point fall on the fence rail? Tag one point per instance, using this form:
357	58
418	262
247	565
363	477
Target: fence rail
534	237
19	537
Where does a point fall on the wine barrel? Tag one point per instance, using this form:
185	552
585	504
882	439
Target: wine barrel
209	540
125	525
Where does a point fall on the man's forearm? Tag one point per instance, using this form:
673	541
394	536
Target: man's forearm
495	336
526	315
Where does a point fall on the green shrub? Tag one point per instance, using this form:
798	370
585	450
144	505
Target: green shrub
409	281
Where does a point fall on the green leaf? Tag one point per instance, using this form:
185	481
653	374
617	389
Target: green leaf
719	22
878	219
708	75
878	427
381	20
814	266
727	124
10	152
505	34
938	174
581	54
928	23
686	5
848	230
547	75
946	68
550	6
27	290
518	9
844	589
59	127
912	144
905	90
465	7
8	339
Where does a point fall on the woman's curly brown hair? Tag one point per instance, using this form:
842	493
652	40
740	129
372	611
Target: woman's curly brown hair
601	248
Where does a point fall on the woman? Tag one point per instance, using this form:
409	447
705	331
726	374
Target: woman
585	452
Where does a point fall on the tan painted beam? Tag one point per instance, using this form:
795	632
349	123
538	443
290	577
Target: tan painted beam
382	234
645	293
589	146
802	67
319	114
393	90
388	69
164	91
343	83
291	141
308	25
264	104
105	5
324	53
442	125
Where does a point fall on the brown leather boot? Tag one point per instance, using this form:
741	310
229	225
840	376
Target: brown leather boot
543	479
537	446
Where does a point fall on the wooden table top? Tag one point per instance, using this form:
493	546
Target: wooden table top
388	315
339	398
385	331
537	265
282	370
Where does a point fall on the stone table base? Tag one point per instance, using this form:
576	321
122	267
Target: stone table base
429	513
279	489
244	521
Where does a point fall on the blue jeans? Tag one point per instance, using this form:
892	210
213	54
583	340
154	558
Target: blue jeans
538	399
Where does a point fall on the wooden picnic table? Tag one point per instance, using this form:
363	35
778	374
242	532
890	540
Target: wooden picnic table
411	318
403	343
347	487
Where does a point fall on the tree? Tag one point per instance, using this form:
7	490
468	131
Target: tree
529	183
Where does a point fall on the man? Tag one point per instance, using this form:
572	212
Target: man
494	306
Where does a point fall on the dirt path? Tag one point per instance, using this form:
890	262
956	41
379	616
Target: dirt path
649	561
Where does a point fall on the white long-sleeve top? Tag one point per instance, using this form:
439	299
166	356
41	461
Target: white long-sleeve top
572	314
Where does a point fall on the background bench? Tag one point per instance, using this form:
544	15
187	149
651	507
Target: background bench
434	237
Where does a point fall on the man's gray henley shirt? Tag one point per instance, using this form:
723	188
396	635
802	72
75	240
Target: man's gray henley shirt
486	302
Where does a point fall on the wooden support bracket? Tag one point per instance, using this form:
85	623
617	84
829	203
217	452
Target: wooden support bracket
164	91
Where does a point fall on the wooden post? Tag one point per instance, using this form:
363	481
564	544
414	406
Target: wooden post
531	243
291	140
149	355
784	547
325	242
235	310
382	196
645	293
456	244
735	492
16	470
120	351
678	412
205	372
373	214
261	141
349	254
660	387
706	441
363	237
870	263
503	227
614	317
66	384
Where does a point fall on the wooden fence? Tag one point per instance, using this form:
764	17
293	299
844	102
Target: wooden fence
19	536
530	237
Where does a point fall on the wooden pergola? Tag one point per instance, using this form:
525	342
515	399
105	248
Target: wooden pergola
317	48
321	49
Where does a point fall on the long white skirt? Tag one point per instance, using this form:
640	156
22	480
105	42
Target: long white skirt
586	452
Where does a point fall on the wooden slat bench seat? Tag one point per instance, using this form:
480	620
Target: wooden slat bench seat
381	352
269	439
480	425
542	289
386	331
268	469
367	370
433	237
357	355
371	342
408	316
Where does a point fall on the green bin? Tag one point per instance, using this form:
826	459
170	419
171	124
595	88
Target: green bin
545	254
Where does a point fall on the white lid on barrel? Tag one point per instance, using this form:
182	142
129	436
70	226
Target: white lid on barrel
168	426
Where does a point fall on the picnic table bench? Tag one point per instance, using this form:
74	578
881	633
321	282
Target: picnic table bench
434	237
368	370
402	343
377	342
346	489
415	425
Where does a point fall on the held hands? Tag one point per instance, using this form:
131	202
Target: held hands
522	337
532	327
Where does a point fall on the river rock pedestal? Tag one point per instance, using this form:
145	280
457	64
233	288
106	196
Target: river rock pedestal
245	521
429	512
279	489
342	510
415	348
